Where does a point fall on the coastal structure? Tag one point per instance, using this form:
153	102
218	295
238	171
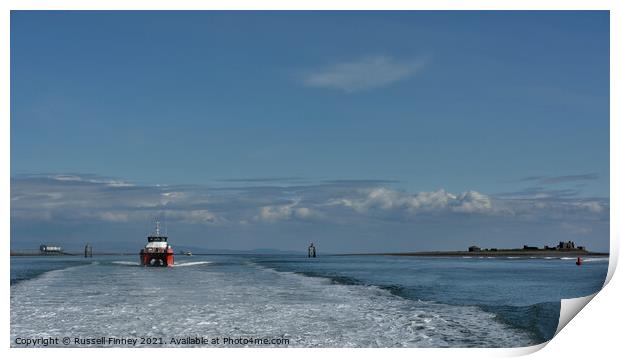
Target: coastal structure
562	246
529	251
88	251
311	250
473	249
569	245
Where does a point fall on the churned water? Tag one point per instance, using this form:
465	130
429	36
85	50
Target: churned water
330	301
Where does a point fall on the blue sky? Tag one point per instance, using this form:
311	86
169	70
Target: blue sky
363	130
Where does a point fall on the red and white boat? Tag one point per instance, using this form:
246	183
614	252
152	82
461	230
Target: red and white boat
157	251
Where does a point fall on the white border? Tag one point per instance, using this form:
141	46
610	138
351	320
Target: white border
310	5
592	332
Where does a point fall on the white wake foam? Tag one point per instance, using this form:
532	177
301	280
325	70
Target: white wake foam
126	263
191	263
237	300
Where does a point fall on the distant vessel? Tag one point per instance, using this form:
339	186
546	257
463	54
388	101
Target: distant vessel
188	253
50	250
157	251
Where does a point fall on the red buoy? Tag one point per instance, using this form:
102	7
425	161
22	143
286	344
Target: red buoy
579	261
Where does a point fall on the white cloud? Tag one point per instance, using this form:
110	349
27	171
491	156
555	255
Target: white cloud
472	202
592	206
66	177
284	212
90	179
363	73
113	217
391	200
118	184
169	197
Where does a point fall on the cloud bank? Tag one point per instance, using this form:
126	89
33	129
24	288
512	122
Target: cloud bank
330	206
548	180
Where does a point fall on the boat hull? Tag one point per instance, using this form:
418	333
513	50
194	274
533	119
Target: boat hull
157	259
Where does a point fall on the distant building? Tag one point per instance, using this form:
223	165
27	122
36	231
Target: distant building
50	249
563	245
566	245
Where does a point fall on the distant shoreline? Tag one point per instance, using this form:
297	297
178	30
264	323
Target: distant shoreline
483	253
17	254
498	253
20	254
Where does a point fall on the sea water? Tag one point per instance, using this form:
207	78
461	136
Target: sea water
330	301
